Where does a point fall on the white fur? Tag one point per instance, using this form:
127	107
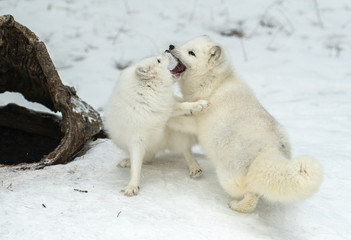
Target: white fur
137	114
249	148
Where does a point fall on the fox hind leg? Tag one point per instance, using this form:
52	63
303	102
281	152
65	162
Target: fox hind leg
136	160
194	167
246	205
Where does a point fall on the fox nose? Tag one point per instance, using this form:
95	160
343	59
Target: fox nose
171	47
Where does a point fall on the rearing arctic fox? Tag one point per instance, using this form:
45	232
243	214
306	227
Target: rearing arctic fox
249	148
137	114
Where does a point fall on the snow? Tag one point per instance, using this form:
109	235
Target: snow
84	109
299	68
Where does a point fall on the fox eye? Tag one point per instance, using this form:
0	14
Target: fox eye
158	60
192	53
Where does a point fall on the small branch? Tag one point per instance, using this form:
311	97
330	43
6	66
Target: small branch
243	49
273	38
292	28
119	213
119	31
82	191
262	17
318	14
127	7
240	23
9	187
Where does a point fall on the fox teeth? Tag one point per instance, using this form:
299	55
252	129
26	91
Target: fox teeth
172	64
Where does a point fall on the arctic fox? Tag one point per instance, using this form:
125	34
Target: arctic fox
137	113
249	148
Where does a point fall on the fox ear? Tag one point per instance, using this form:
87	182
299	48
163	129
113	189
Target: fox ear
143	73
215	54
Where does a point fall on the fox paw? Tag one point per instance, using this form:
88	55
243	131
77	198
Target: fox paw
242	207
131	191
125	163
200	106
195	173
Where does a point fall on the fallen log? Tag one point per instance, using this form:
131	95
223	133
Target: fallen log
26	68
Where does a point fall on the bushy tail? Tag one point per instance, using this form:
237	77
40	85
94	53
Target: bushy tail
280	179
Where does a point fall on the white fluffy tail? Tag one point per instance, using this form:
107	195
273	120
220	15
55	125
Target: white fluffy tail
280	179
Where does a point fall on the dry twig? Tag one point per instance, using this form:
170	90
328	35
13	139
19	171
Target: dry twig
318	14
82	191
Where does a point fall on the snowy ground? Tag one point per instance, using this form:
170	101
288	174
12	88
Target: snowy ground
298	66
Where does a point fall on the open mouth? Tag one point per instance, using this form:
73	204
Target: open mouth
176	66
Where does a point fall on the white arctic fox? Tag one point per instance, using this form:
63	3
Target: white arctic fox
249	148
137	113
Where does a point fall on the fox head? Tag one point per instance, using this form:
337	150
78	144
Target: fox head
155	69
199	55
200	61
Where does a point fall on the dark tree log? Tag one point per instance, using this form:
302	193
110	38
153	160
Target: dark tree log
16	117
26	67
26	135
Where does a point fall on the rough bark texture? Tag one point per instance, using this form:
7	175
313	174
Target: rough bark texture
26	67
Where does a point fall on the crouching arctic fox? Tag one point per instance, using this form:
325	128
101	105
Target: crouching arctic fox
249	148
137	113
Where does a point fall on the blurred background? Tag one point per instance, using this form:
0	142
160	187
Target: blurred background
91	41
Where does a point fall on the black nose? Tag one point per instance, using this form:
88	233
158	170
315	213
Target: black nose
171	47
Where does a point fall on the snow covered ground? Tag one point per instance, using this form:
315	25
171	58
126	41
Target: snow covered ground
298	64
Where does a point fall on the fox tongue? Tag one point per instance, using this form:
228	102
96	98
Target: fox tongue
179	68
175	70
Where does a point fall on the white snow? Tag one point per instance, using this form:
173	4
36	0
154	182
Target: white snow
85	110
298	67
